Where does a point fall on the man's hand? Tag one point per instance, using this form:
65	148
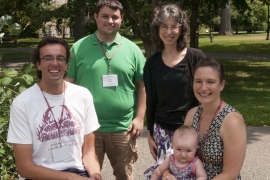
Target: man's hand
136	127
152	146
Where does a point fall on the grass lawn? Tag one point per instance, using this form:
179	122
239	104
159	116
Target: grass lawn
248	89
247	82
10	55
238	44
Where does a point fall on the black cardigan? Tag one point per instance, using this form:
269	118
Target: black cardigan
171	118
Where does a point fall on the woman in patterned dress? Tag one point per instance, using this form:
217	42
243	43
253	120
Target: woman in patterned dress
221	128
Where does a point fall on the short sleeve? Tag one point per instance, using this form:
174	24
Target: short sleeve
91	120
19	131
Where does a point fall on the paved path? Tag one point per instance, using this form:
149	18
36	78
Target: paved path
256	165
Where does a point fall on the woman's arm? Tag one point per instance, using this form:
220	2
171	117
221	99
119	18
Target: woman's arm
168	176
233	134
189	116
160	169
152	145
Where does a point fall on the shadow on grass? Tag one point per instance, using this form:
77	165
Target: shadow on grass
248	90
238	48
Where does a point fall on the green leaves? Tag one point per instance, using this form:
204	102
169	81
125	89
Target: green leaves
15	29
28	79
6	19
6	81
27	67
10	72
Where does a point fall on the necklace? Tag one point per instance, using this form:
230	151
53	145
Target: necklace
207	132
62	111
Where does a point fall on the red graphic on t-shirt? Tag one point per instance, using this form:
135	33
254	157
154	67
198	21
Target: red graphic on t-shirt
66	125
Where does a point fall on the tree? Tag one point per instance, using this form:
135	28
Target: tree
25	12
195	6
252	19
225	26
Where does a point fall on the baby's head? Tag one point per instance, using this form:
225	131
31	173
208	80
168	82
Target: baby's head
185	142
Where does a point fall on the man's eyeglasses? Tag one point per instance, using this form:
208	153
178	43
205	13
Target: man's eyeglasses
50	59
172	28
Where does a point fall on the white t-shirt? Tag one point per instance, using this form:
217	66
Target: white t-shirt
33	122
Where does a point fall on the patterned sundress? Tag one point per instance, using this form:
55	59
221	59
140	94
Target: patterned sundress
211	150
183	173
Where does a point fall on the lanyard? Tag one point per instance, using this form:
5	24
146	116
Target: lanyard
62	111
199	122
105	53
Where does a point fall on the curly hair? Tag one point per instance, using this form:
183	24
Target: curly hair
161	14
35	58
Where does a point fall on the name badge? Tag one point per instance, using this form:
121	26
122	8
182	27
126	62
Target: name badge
110	80
61	154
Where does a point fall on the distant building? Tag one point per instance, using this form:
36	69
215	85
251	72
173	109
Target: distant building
49	29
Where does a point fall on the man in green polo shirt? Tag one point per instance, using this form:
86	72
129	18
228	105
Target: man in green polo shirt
111	67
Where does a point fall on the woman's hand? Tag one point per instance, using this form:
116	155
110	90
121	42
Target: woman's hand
152	146
168	176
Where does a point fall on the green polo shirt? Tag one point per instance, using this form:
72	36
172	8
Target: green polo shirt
115	106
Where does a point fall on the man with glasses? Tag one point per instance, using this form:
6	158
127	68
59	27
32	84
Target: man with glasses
52	122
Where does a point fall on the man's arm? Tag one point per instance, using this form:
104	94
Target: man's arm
137	123
90	159
27	169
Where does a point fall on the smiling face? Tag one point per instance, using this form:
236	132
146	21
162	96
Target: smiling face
207	85
169	32
108	23
54	71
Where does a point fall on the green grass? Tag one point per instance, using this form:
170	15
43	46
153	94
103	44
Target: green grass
248	89
26	42
238	44
10	55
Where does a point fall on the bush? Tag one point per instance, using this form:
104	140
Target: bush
11	84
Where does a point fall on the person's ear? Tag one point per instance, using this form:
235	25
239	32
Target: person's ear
38	65
95	16
222	84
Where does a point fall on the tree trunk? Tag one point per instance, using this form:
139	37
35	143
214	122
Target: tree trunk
225	26
194	24
15	39
79	27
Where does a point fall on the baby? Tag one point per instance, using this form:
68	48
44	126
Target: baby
182	163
